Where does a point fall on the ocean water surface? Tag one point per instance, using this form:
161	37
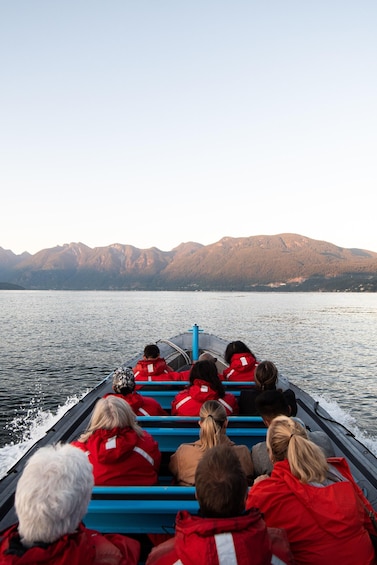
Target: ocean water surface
56	345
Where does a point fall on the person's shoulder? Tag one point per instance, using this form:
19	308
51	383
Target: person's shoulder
323	441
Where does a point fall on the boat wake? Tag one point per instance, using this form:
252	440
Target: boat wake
32	428
348	422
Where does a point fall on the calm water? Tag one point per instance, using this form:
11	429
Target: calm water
55	345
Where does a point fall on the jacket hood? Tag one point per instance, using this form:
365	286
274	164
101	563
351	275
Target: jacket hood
135	400
243	362
201	391
196	536
195	524
74	549
151	367
332	506
108	446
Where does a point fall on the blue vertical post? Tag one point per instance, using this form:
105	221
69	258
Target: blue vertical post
195	342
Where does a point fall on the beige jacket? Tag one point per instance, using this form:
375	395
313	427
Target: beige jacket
184	461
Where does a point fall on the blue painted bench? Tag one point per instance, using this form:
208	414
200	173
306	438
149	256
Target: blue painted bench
169	439
187	421
165	391
138	510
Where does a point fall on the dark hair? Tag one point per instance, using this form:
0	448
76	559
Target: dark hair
272	403
221	483
151	351
207	371
266	375
236	347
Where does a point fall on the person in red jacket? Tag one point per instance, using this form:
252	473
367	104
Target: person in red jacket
241	361
205	384
52	497
119	450
315	500
222	532
152	367
124	387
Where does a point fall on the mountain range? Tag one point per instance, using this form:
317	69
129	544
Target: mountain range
283	262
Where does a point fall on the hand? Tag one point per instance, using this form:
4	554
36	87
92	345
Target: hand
261	478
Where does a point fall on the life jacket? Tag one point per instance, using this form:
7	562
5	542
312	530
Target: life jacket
241	540
241	368
152	370
120	457
324	524
142	405
188	402
83	547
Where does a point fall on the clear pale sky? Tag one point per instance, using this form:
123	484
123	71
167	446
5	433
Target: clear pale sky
156	122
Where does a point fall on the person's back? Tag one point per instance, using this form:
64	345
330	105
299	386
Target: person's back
316	501
241	361
270	404
213	423
266	378
51	499
124	387
119	450
205	384
222	532
152	367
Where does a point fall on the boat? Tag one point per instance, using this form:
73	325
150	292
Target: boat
142	510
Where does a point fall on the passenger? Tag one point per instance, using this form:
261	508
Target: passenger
241	360
315	500
222	532
270	404
205	356
152	367
213	423
52	498
266	378
124	387
205	384
119	450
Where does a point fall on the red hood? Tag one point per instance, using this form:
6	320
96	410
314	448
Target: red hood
74	549
152	367
84	547
193	535
99	442
332	507
201	391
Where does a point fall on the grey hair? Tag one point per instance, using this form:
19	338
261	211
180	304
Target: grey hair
53	493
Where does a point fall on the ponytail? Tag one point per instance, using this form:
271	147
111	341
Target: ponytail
287	439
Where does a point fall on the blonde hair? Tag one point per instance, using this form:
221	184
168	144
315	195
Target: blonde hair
287	439
212	417
266	375
111	412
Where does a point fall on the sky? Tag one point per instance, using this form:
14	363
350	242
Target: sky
157	122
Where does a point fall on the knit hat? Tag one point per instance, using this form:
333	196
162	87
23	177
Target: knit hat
123	380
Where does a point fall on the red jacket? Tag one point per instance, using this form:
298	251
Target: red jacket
84	547
241	368
242	540
153	370
325	525
142	405
120	457
189	401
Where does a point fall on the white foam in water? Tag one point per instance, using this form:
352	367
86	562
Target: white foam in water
35	425
348	421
